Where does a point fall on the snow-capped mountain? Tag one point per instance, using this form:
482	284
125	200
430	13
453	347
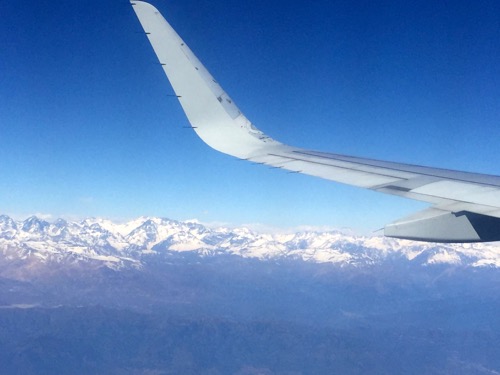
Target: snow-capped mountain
117	245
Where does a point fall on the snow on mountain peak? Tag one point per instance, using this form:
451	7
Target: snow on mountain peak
121	244
34	225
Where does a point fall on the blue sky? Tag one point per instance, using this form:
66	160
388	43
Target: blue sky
87	127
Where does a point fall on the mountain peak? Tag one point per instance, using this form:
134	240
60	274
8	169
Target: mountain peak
34	224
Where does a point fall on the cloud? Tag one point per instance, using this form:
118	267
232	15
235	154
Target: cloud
270	229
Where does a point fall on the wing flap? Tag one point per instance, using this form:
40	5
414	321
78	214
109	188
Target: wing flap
443	226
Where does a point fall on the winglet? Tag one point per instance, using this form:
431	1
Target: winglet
211	112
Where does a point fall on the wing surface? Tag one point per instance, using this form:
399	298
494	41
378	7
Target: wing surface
465	207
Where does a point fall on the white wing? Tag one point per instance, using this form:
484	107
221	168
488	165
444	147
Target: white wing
465	206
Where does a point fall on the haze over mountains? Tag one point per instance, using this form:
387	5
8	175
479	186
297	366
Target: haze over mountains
159	296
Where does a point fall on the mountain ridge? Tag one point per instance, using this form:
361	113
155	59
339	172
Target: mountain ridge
128	244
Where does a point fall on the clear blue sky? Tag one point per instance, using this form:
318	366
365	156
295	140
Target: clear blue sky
87	127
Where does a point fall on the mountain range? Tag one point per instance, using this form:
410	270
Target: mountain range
35	242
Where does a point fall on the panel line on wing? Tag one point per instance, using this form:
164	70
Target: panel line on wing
390	166
342	167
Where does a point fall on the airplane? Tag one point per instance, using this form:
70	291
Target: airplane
464	207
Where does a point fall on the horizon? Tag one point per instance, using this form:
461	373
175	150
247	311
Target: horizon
258	228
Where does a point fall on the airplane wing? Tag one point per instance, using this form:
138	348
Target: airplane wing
464	207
